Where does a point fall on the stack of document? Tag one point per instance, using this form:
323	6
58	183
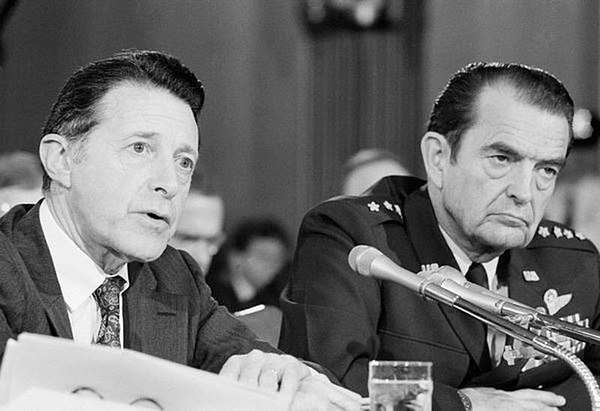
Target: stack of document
98	373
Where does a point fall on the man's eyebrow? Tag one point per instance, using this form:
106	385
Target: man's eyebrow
187	148
143	134
504	148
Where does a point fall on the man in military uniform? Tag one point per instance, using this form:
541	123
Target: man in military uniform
497	138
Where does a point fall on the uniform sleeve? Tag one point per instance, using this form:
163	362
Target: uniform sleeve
330	313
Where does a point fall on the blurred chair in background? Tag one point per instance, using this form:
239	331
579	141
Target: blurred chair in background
252	267
368	166
20	179
200	229
264	321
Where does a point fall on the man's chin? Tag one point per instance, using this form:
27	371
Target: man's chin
147	254
504	239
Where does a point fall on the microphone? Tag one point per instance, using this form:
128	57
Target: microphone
371	262
452	280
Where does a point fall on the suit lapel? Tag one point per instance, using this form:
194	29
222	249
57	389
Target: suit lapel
31	244
431	248
155	322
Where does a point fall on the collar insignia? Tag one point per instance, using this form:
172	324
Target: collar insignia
373	206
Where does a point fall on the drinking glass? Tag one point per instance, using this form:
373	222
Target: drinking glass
400	385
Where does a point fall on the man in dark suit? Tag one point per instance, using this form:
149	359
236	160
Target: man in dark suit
90	261
496	141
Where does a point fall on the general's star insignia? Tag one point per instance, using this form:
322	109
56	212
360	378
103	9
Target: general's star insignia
373	206
557	232
388	205
398	210
543	231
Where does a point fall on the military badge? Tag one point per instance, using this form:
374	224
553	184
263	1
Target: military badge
555	302
530	276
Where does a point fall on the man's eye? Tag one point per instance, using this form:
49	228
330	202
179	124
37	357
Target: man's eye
187	163
499	158
139	147
550	171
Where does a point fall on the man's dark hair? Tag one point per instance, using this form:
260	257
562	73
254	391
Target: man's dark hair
454	111
75	111
260	227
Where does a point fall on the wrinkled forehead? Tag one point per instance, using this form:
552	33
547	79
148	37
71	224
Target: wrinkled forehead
506	92
202	214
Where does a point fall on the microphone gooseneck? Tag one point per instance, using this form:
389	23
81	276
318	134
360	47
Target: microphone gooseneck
452	280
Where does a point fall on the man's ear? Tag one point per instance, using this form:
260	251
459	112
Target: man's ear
56	158
436	156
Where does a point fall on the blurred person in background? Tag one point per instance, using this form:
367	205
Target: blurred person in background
200	229
20	179
367	166
252	268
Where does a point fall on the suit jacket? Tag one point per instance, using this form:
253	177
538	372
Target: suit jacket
168	310
342	320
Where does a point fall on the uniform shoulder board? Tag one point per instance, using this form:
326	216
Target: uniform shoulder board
380	207
553	234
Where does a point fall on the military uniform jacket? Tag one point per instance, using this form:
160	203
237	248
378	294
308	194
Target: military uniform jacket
341	320
168	311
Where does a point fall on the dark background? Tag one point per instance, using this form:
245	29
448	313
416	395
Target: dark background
286	106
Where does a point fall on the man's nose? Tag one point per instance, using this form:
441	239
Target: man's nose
521	184
164	178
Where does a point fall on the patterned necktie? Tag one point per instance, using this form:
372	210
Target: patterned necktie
476	275
107	296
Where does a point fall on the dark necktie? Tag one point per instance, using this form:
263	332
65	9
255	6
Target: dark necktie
476	274
107	296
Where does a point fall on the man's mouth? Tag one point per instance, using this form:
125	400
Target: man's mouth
159	217
512	220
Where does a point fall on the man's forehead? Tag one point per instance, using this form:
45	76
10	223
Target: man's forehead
504	121
143	110
202	214
122	94
503	94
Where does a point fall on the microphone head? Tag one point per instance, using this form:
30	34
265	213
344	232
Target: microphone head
361	257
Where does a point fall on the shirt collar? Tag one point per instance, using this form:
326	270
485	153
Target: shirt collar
77	273
464	262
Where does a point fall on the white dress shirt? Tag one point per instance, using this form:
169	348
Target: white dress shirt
78	277
495	338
